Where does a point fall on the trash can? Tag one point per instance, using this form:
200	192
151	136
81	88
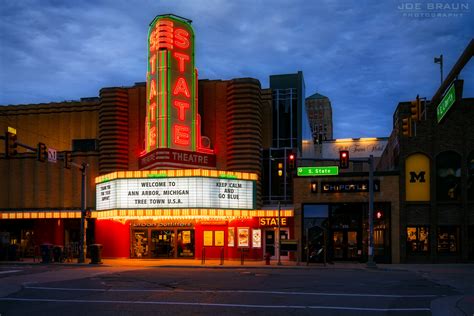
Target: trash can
46	253
58	253
96	253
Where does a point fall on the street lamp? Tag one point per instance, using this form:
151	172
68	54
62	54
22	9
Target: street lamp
439	60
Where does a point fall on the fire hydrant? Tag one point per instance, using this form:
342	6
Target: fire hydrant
267	258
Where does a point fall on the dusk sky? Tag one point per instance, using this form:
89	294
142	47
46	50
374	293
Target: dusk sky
366	56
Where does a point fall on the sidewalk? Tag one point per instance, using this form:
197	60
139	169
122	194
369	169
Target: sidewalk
195	263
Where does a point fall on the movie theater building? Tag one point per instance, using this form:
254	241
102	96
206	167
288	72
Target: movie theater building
157	187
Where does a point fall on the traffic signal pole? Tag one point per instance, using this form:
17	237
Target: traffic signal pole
370	261
82	241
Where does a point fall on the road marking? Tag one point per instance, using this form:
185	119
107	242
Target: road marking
415	309
232	291
10	271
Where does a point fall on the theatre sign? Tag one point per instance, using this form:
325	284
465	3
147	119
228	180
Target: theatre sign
161	190
173	125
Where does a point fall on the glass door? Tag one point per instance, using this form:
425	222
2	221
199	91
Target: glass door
352	249
346	245
162	244
284	235
185	243
338	244
270	243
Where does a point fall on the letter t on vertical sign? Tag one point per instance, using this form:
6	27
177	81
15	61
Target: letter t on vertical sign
171	85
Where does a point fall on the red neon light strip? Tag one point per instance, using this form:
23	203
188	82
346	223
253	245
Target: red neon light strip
163	74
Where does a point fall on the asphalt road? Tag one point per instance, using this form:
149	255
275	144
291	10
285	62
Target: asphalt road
59	290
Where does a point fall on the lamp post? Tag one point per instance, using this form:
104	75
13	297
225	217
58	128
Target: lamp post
439	60
82	241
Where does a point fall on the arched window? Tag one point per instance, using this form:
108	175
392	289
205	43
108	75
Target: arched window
470	175
448	176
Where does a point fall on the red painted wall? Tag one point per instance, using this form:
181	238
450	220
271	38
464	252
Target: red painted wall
114	237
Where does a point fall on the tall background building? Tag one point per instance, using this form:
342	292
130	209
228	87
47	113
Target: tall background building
319	112
290	131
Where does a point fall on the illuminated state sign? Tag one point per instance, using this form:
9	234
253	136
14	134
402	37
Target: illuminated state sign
172	119
178	192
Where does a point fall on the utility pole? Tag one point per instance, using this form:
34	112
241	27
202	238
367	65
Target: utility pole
371	262
82	241
279	239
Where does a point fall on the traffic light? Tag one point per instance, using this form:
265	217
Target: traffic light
280	169
415	109
343	159
10	143
406	126
291	161
314	187
41	152
67	159
379	215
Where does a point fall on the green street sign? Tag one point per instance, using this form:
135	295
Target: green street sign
318	171
445	104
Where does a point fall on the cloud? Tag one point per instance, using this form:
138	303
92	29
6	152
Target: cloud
365	56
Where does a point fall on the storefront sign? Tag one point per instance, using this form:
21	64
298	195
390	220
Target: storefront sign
446	103
163	224
272	221
417	178
348	187
178	192
358	148
167	157
318	171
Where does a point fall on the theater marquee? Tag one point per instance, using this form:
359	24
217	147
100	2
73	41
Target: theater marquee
179	192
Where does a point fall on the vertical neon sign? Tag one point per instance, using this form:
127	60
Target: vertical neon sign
171	120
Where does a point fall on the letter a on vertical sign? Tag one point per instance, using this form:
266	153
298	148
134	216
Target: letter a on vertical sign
171	85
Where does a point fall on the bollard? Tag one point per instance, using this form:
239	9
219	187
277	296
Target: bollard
267	258
222	256
203	256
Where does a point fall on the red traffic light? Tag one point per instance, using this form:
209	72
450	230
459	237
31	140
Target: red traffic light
291	161
379	214
344	159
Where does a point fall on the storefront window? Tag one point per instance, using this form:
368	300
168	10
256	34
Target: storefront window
418	239
448	176
139	243
448	239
